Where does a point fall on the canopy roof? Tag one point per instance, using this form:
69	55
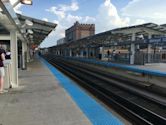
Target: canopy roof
9	21
117	37
150	26
40	28
3	30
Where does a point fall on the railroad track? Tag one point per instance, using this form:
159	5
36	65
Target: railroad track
137	108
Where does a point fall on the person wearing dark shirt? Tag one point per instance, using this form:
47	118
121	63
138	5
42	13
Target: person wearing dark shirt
8	55
2	72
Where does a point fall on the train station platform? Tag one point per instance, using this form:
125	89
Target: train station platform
147	75
43	99
156	69
161	67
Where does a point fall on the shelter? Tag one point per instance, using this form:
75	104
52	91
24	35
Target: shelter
131	38
16	28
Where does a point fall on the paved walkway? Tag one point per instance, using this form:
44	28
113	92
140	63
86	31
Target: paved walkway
39	100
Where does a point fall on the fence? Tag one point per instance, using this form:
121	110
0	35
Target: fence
142	58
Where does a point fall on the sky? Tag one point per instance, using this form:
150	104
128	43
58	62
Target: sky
105	14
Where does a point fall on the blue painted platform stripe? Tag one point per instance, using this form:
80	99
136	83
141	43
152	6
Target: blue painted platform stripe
97	114
122	66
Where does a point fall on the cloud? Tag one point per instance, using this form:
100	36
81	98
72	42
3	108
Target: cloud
61	9
65	20
70	19
138	21
17	8
109	18
57	12
64	24
106	19
45	19
147	10
88	19
54	36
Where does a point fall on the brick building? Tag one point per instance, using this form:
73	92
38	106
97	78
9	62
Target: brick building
78	31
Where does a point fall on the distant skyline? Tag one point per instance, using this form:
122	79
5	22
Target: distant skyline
105	14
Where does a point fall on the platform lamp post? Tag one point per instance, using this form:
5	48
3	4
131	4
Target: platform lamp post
26	2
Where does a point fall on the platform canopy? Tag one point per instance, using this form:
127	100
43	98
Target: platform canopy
9	20
3	30
118	37
38	31
142	29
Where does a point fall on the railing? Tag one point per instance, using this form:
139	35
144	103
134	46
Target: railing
123	58
142	58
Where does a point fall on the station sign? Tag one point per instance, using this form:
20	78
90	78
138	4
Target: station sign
164	39
158	40
155	40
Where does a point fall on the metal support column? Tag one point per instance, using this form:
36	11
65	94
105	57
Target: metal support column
132	53
28	53
24	47
87	52
149	48
14	57
132	50
101	53
70	53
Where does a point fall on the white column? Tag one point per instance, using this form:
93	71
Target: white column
149	48
14	57
23	54
58	52
132	49
26	50
28	53
87	52
149	52
133	37
102	53
81	53
70	53
132	53
137	47
149	36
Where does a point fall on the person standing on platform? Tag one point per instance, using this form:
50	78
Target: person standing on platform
2	72
8	55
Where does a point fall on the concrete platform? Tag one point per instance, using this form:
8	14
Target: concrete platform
147	76
39	100
96	112
154	66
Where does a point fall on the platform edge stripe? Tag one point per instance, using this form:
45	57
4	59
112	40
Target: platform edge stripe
129	68
94	111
